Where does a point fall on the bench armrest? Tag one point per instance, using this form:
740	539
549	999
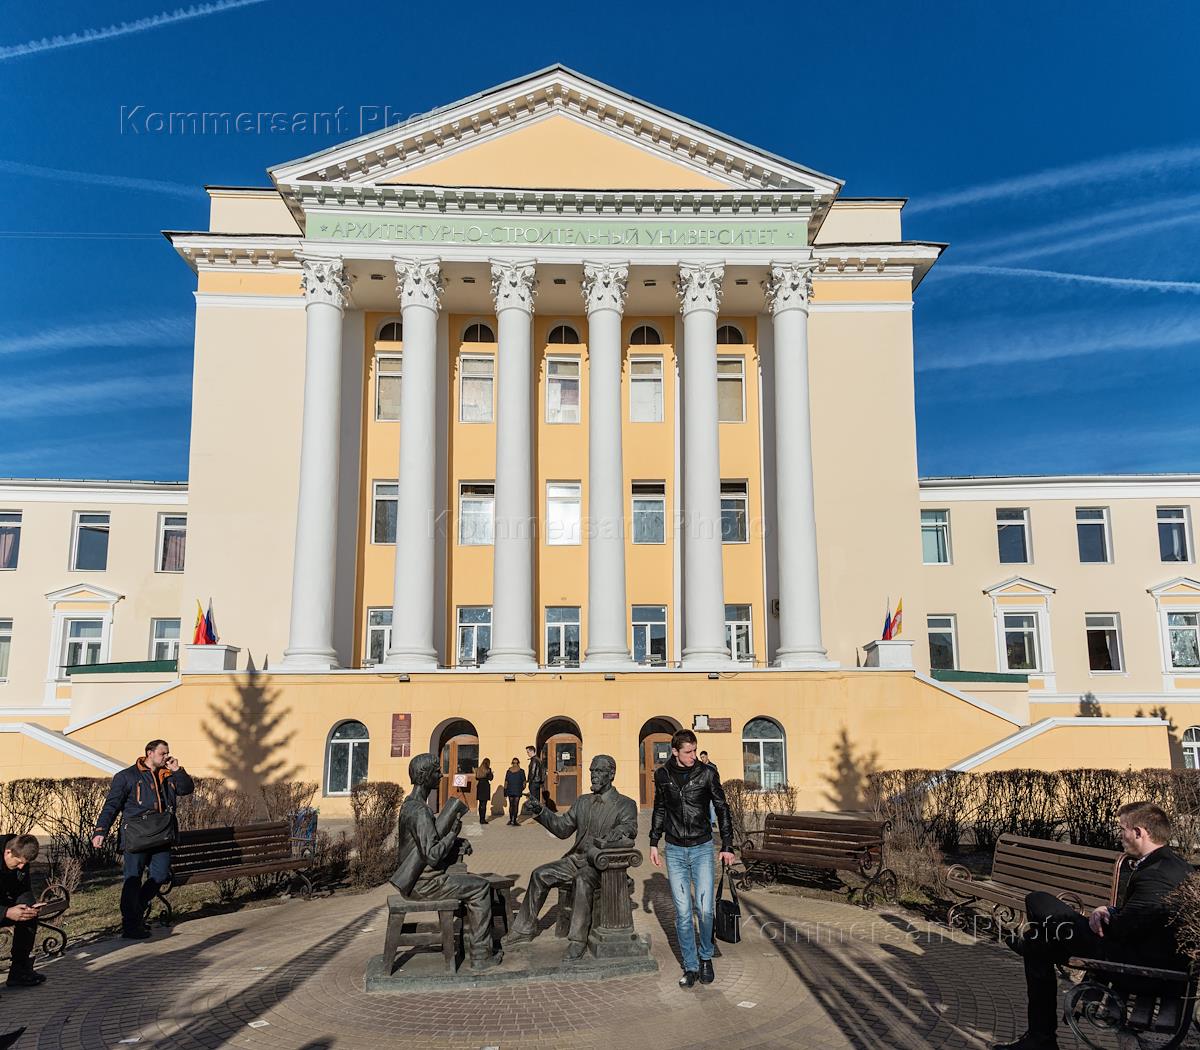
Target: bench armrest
1117	969
960	872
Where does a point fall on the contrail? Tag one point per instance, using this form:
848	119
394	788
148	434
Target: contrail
92	178
139	25
1191	287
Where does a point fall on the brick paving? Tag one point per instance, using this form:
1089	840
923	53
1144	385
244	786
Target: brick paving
809	973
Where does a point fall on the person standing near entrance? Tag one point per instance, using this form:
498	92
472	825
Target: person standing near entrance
537	775
683	789
483	787
514	788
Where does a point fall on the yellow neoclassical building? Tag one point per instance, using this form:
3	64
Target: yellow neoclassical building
552	417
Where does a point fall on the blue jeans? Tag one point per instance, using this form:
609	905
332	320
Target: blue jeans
690	870
134	894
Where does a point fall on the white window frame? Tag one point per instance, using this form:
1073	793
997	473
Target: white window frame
650	328
635	624
736	327
1116	626
731	632
473	628
942	526
1105	522
1191	747
375	500
491	359
953	618
479	498
351	745
162	541
1028	526
1041	638
76	525
380	357
482	322
1164	630
744	496
660	498
6	635
1187	531
65	638
760	741
560	627
659	379
570	359
18	524
741	362
392	319
570	540
384	629
156	638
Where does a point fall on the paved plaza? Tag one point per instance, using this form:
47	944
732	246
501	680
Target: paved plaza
809	973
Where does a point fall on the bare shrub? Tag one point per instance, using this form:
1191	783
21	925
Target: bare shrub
375	806
735	797
286	798
920	870
901	796
1089	800
25	804
215	805
70	818
65	871
781	799
1183	904
1019	802
953	797
330	859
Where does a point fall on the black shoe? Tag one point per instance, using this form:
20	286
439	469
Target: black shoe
138	933
10	1038
1030	1041
25	979
688	979
706	972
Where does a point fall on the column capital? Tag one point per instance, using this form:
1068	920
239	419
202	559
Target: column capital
325	281
699	287
604	286
514	285
419	282
789	286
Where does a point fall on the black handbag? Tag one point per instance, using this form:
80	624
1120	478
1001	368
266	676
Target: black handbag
149	832
727	922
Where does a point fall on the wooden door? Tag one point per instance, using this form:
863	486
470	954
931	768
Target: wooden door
656	749
460	757
563	762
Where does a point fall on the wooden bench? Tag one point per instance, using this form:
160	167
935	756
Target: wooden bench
1082	876
55	900
1149	1006
220	854
803	844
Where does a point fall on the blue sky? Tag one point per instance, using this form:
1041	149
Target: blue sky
1055	146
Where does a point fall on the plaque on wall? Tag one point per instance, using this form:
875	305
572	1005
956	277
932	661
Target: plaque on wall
402	736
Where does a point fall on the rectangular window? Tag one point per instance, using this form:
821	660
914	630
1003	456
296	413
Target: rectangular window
734	528
562	514
164	639
379	635
1022	651
10	538
474	634
739	637
1104	641
388	372
1091	529
1012	533
562	635
943	642
935	537
5	647
1173	534
476	513
1184	637
562	390
731	389
645	389
475	389
81	642
91	542
650	634
649	512
383	515
172	542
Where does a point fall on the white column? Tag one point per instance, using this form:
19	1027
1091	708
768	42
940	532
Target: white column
310	639
419	286
703	574
608	626
788	293
512	569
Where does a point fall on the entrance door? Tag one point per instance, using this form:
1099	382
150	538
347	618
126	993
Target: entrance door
460	758
656	749
562	760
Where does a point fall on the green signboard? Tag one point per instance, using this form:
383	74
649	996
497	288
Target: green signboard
504	231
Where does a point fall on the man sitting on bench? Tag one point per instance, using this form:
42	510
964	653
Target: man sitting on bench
1137	932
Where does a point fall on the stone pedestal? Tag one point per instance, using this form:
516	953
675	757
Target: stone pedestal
896	653
202	658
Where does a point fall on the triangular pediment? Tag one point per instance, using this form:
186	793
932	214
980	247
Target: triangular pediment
554	129
1018	587
83	592
1180	587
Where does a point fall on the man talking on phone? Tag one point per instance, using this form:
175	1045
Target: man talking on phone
17	908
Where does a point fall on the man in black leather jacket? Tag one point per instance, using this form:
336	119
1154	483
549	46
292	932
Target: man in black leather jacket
1137	932
683	790
536	778
17	908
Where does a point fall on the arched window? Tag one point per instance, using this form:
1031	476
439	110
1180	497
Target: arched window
645	335
764	756
563	334
346	757
479	333
730	335
392	332
1191	748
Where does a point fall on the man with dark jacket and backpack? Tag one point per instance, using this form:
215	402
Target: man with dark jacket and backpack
683	790
150	785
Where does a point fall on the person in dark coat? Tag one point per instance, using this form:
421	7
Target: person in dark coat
483	787
17	908
514	788
1138	931
152	783
536	781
